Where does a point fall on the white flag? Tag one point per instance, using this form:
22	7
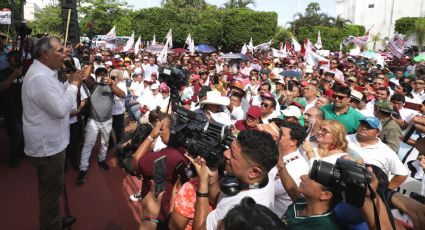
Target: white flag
162	58
244	49
297	46
250	46
312	58
130	43
263	46
188	40
111	35
192	47
153	40
279	53
318	44
137	46
169	38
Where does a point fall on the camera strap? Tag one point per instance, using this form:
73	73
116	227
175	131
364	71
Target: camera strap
375	209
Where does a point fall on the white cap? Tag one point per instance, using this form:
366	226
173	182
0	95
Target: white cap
108	63
117	56
292	111
356	95
154	86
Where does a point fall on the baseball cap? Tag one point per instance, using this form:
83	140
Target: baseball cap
292	111
356	95
100	70
299	102
373	122
254	112
154	86
384	106
268	96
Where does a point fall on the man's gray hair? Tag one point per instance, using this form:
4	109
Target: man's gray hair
44	44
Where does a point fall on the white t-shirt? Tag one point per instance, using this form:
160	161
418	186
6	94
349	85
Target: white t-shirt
137	87
296	166
379	155
83	95
263	196
119	103
237	114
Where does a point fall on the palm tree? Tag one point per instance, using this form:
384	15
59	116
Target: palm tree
340	22
238	3
375	39
420	33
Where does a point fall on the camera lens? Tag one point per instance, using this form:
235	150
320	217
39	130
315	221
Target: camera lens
324	173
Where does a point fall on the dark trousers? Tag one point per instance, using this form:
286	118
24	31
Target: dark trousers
50	186
15	134
118	126
74	147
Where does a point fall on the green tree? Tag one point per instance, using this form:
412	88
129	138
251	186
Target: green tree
104	14
282	34
405	25
311	17
375	39
420	33
178	4
238	3
47	20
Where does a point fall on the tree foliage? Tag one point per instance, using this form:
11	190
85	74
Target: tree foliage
332	30
405	25
103	15
238	3
48	20
227	28
178	4
420	32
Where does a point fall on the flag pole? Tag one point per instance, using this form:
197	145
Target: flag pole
67	25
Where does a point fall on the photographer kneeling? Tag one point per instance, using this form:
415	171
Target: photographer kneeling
144	159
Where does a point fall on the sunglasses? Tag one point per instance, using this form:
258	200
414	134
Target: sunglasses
340	97
265	105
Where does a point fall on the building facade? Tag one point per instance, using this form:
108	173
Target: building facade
379	15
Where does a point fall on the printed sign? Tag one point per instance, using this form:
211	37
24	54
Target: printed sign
6	16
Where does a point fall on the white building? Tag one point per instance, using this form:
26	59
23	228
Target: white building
380	15
30	9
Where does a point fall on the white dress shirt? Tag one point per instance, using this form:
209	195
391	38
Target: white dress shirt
46	107
119	103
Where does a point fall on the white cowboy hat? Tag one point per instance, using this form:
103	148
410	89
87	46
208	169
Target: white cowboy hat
215	98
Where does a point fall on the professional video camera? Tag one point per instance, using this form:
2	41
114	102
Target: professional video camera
348	177
23	30
174	77
208	139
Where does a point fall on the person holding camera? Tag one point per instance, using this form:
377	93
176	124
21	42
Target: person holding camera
248	162
46	108
11	106
143	160
100	120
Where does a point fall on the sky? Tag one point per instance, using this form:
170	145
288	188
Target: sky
285	8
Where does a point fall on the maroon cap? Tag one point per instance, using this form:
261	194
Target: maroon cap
254	111
186	101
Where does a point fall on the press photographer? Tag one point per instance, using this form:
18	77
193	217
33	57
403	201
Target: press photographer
11	106
103	90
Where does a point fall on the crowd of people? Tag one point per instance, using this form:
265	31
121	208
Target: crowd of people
285	115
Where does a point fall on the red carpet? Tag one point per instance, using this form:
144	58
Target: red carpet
101	203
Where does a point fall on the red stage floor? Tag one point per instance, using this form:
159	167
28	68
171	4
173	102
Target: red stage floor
101	203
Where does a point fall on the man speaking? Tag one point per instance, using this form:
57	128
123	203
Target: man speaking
46	108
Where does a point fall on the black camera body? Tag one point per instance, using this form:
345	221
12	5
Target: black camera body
347	177
207	139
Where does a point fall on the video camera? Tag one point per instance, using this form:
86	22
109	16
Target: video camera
345	176
174	77
207	139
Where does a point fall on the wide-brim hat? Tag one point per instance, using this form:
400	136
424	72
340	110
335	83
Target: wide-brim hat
214	98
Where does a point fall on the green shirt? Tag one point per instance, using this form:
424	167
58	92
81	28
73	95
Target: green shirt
325	221
350	119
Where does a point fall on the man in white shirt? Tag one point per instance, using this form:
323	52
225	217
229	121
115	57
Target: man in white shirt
149	69
418	92
249	160
46	108
235	109
367	144
292	137
118	108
